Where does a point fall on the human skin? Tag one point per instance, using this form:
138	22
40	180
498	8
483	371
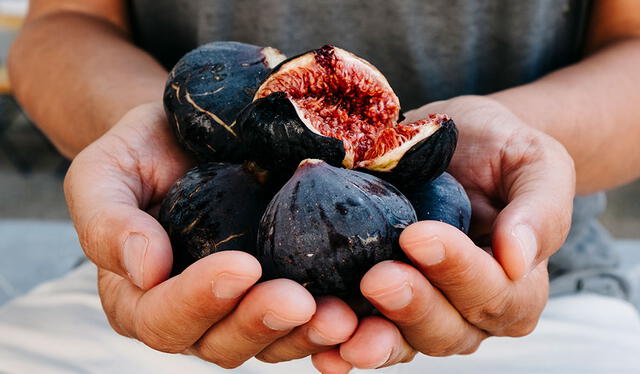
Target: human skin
521	189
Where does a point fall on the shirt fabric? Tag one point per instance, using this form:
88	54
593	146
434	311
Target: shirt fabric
428	50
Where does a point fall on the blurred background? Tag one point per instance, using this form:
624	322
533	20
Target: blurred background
37	241
31	175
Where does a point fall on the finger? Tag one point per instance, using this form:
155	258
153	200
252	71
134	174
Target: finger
376	343
424	316
268	312
333	323
176	313
540	184
330	362
473	281
130	167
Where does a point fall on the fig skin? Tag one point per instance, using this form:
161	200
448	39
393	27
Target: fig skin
206	90
327	226
277	138
213	207
443	199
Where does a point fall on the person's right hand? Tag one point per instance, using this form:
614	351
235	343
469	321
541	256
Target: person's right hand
212	309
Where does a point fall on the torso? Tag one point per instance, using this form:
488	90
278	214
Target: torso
429	50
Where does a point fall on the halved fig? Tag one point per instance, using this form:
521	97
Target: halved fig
333	105
207	89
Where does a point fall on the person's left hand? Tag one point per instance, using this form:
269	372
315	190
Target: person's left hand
212	309
521	185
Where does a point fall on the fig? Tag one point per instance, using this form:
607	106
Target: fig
443	199
335	106
213	207
327	226
206	90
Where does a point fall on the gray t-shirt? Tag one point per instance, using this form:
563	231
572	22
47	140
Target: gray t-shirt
429	50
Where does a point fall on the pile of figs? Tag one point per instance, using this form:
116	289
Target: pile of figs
304	162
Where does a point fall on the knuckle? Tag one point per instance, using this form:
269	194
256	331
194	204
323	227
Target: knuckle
444	346
489	312
269	357
465	271
209	352
155	338
415	318
465	341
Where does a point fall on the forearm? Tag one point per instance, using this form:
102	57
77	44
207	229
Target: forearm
76	75
593	108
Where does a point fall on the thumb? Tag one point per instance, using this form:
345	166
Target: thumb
539	180
105	187
114	233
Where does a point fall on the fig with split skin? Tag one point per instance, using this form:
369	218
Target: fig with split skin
332	105
327	226
206	90
214	207
443	199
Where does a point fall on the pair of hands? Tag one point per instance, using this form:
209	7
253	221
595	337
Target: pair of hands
456	294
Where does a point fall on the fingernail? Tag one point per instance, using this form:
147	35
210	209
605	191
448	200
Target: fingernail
528	245
428	253
133	252
275	322
317	338
230	286
396	298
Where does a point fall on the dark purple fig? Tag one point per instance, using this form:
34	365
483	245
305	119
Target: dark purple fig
207	89
327	226
335	106
444	200
213	207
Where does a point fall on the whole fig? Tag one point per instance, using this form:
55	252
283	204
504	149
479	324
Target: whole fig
213	207
206	90
327	226
443	199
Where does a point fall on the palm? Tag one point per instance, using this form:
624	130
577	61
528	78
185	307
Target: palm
144	148
493	144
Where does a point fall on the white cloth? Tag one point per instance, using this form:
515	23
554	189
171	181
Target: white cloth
60	327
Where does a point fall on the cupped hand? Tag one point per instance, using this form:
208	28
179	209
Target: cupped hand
461	290
213	309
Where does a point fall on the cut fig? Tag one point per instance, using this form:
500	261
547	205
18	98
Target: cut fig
333	105
327	226
213	207
207	89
